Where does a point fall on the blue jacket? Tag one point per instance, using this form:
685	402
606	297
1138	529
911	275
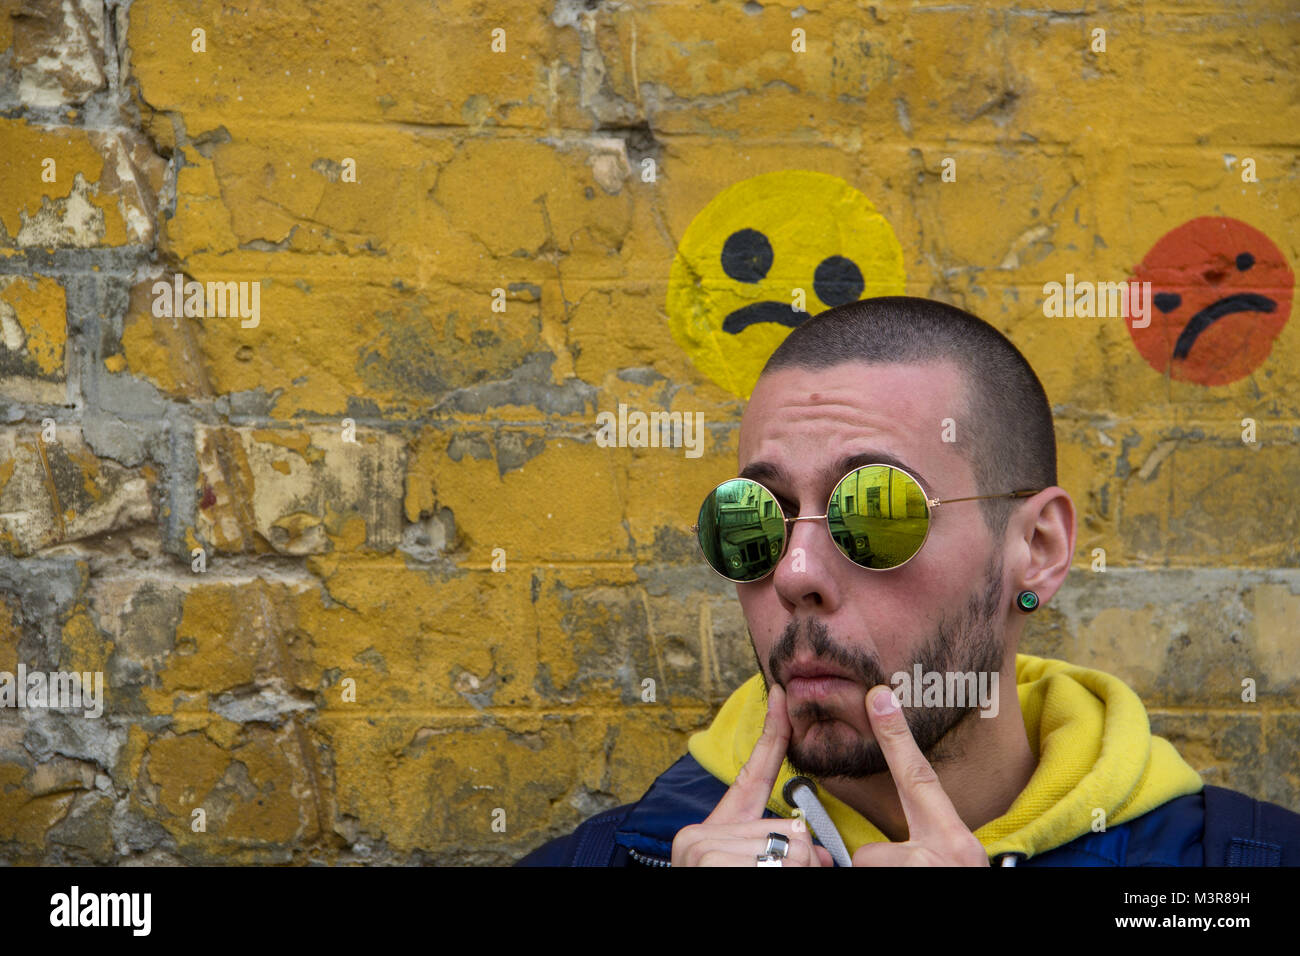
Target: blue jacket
1215	827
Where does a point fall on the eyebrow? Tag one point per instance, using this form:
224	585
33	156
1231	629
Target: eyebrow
770	471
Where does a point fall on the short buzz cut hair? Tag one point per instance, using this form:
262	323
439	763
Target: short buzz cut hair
1007	417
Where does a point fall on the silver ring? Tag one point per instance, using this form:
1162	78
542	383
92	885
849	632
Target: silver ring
769	859
778	845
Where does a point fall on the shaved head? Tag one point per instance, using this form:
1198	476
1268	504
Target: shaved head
1004	425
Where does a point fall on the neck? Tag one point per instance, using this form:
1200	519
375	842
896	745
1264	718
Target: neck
968	751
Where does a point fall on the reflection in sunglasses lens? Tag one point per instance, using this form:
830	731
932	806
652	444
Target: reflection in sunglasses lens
741	530
878	516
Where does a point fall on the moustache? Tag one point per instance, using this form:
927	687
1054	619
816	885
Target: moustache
858	664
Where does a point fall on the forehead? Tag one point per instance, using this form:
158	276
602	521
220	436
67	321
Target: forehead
807	421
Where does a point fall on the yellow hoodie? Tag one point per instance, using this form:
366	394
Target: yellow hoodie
1088	729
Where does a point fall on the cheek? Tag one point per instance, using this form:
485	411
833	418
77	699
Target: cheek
959	543
754	604
957	559
755	600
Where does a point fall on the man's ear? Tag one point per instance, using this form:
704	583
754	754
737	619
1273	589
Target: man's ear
1047	528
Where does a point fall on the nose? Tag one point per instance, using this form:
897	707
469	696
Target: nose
804	577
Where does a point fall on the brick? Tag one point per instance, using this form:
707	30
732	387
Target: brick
298	491
454	642
52	493
105	190
1241	99
25	818
477	478
271	192
70	36
33	340
400	351
259	796
418	68
1196	496
198	646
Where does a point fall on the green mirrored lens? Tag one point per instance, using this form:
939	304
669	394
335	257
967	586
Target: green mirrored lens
878	516
741	530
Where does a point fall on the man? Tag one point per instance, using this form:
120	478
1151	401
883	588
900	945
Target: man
895	522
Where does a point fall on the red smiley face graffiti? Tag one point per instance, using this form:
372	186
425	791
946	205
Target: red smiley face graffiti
1221	293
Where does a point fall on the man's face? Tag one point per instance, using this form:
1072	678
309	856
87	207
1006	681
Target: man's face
818	612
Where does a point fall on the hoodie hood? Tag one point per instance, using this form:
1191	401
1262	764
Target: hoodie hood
1088	730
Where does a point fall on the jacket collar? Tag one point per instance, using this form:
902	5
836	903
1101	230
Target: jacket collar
682	795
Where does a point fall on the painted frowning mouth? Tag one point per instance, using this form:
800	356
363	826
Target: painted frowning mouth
762	312
1242	302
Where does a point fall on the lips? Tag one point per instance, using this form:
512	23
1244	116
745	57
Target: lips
808	669
816	680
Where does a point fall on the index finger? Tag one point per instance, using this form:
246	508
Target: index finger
747	797
925	804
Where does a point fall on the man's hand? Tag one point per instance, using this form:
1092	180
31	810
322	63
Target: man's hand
936	834
735	833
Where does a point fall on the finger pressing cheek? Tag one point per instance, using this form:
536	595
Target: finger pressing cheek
882	704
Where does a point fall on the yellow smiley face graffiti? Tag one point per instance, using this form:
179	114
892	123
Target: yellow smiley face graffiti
760	249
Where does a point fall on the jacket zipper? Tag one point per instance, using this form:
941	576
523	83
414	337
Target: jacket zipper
646	860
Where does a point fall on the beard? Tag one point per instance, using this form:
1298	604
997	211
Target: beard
961	643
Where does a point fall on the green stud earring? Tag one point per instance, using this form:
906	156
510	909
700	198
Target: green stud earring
1027	601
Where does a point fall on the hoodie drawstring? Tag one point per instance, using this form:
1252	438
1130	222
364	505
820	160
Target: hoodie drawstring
802	793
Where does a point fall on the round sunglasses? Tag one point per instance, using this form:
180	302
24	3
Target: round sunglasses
878	516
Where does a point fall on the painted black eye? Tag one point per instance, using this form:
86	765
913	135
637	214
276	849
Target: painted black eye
837	280
1244	261
1167	301
746	255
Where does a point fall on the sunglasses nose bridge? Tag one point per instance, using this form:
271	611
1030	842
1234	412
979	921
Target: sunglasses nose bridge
792	521
790	524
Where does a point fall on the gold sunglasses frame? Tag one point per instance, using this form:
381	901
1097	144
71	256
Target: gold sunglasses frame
788	522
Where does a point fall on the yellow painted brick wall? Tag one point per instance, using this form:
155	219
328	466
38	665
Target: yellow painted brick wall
359	578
